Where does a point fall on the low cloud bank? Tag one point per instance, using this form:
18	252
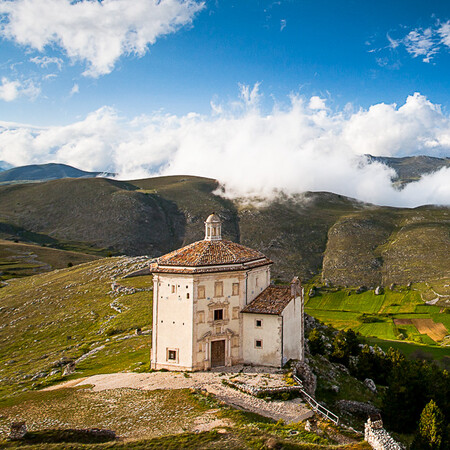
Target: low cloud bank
299	147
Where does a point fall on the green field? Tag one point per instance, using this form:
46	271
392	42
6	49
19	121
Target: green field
374	315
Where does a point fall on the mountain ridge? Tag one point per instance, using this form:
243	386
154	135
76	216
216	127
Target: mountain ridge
346	241
46	172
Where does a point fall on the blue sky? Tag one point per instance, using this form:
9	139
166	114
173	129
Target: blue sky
262	95
337	50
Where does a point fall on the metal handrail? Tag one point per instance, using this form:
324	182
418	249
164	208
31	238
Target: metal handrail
317	407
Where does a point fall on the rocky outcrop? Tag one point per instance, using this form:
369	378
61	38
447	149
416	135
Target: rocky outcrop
309	380
357	408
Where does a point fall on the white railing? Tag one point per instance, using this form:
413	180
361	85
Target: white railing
317	407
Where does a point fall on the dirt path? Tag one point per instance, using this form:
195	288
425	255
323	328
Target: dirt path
289	411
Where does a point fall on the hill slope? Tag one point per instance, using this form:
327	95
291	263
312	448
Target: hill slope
67	313
356	243
45	172
411	168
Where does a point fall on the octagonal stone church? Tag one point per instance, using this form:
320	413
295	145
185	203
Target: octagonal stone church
213	305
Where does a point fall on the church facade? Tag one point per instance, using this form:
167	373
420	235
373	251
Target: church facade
213	305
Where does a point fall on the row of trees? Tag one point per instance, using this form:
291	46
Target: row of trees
413	391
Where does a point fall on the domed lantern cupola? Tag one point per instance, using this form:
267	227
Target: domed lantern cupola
213	228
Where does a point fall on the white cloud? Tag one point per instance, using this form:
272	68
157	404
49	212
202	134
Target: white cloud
282	24
317	103
421	43
425	43
45	61
291	149
75	89
11	90
97	33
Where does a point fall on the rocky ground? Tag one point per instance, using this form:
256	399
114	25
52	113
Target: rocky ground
289	411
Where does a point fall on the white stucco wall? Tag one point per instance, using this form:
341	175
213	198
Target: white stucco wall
257	280
188	325
172	321
292	323
269	333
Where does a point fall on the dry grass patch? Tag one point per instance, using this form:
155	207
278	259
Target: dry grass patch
435	331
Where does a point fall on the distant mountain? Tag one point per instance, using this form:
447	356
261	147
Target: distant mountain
348	242
46	172
5	166
411	168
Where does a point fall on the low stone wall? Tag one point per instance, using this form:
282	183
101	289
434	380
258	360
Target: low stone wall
379	438
262	392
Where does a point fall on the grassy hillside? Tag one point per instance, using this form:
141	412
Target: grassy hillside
67	314
380	246
355	243
99	212
411	168
20	259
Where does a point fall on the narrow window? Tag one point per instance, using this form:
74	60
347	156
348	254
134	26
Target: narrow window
256	282
258	323
218	289
201	292
258	343
218	314
173	289
172	355
187	295
235	288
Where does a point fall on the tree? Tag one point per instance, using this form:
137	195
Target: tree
431	431
316	343
345	344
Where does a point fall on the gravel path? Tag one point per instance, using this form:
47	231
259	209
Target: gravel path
289	411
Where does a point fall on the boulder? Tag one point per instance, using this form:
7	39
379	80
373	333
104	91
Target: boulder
357	408
69	369
305	373
370	384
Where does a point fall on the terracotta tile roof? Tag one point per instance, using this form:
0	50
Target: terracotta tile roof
272	300
202	254
155	268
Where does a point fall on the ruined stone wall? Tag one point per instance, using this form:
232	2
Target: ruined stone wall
379	438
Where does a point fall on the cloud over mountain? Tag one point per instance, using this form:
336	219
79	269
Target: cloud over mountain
302	146
94	32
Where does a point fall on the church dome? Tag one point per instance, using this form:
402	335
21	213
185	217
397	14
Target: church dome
212	254
213	218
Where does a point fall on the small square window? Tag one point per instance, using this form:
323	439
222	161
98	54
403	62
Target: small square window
258	323
218	314
258	343
235	289
172	355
